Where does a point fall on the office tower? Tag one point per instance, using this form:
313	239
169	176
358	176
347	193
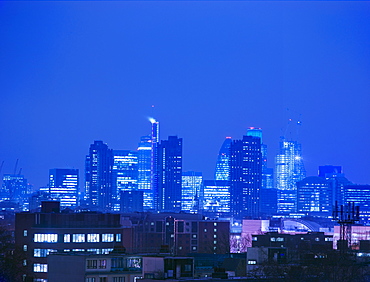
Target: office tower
169	174
360	196
289	170
131	201
314	196
268	199
15	189
326	170
154	139
216	197
191	191
98	177
144	158
245	176
63	186
124	174
222	171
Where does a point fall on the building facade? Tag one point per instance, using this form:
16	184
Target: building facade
192	182
64	186
222	171
289	169
169	174
245	176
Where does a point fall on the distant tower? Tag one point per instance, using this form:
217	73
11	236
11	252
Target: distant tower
144	155
169	174
98	177
314	196
124	174
222	171
289	169
63	186
191	190
154	139
15	189
245	176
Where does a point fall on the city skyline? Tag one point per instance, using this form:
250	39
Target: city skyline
75	72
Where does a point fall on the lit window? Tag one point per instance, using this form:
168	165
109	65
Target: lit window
106	251
273	239
194	248
252	262
40	267
205	230
317	239
90	279
42	253
67	238
215	224
254	238
118	237
279	239
24	262
45	238
107	237
215	230
102	263
214	242
78	238
194	235
25	248
92	238
25	233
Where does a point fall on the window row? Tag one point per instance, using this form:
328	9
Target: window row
78	238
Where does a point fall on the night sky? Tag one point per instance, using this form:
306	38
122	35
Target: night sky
75	72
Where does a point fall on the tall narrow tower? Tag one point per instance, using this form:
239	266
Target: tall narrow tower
289	169
154	138
98	177
169	174
245	176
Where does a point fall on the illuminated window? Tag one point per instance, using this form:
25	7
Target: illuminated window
25	233
78	238
106	251
118	237
40	267
67	238
102	263
24	262
45	238
107	237
42	253
215	230
252	261
92	238
90	279
25	248
215	224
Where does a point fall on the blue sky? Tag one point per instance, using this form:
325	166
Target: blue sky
75	72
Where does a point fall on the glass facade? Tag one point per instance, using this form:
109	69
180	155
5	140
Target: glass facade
144	153
191	191
222	171
289	169
216	196
63	186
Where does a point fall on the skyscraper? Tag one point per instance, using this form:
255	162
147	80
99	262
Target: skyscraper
245	176
169	174
314	196
144	157
216	197
124	174
98	177
15	189
222	171
289	170
191	189
63	186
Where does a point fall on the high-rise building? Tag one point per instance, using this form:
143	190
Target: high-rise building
191	191
144	158
124	174
289	169
63	186
98	177
15	189
154	181
169	174
314	196
131	201
216	197
268	199
222	171
245	176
